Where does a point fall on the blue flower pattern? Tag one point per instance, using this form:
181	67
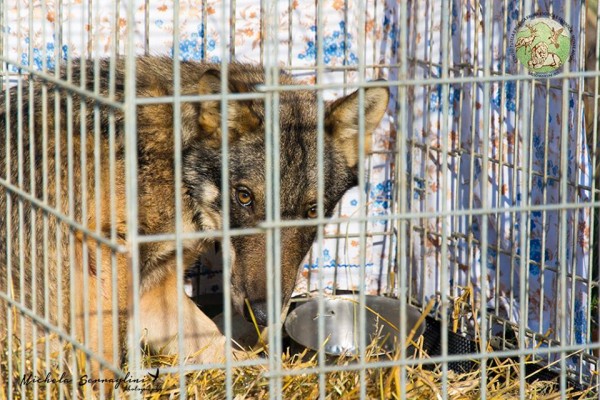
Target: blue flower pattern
39	55
381	196
191	47
334	46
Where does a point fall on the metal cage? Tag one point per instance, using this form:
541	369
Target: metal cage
478	202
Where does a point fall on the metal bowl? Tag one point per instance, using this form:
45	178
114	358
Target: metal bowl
341	324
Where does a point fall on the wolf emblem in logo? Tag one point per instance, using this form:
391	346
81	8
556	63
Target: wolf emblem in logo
80	143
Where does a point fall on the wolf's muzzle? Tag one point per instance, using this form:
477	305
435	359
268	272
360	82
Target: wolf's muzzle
259	309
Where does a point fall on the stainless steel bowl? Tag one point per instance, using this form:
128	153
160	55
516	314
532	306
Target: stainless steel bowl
341	323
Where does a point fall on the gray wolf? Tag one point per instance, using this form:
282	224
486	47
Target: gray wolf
80	187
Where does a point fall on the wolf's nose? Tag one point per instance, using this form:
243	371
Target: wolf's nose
259	309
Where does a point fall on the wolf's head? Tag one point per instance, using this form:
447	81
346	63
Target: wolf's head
297	116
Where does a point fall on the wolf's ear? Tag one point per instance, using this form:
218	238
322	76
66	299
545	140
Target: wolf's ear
240	116
341	120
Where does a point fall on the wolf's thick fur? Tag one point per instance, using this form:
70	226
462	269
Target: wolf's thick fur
22	227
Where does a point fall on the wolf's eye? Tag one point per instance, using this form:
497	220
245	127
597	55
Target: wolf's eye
312	212
243	196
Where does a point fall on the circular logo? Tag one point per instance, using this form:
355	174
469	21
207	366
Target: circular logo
542	43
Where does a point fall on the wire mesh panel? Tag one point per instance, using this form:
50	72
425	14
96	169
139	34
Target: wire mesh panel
254	156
